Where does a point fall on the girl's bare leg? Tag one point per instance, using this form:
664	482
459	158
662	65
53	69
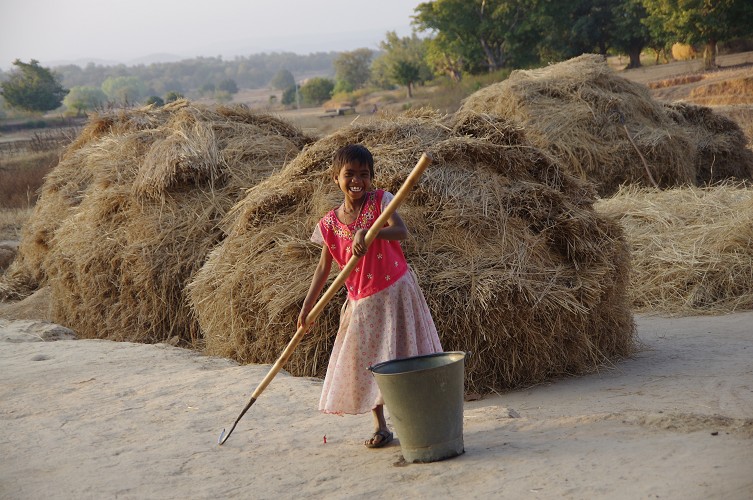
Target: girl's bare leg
380	425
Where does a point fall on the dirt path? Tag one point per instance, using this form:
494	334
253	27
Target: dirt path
98	419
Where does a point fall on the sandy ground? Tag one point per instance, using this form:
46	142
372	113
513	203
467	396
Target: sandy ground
100	419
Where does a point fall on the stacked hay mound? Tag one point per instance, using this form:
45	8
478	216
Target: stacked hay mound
515	264
691	248
60	194
721	145
598	125
118	263
64	188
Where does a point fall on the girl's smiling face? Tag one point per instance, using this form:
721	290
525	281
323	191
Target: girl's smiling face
354	180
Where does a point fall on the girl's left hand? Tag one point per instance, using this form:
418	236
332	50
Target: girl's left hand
359	243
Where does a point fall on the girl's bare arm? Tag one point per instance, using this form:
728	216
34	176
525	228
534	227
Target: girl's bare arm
394	230
317	283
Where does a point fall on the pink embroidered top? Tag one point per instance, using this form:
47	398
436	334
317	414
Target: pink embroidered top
384	262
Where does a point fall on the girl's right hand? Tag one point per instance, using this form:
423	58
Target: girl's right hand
359	243
302	317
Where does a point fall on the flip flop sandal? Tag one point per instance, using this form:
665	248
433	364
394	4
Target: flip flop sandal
386	438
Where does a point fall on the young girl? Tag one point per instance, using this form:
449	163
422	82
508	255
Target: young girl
386	316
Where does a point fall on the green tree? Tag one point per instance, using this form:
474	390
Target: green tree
660	38
228	85
283	80
352	69
173	96
402	62
289	95
482	34
406	73
317	90
443	58
630	34
704	21
156	100
124	89
207	88
84	99
569	29
33	88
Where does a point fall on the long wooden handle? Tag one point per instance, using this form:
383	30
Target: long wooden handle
401	194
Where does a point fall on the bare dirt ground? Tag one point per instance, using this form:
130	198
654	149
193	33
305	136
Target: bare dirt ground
651	73
100	419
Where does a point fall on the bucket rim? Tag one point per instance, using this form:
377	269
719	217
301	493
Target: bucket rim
463	354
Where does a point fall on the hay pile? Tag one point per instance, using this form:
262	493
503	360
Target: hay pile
585	115
63	190
515	264
158	182
691	248
721	145
60	195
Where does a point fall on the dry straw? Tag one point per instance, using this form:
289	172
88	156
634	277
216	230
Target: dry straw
598	125
722	151
63	190
160	182
732	91
515	264
691	248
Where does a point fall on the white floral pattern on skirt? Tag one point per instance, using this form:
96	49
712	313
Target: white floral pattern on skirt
393	323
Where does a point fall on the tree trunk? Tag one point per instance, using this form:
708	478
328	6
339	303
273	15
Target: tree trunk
709	55
635	58
490	59
410	90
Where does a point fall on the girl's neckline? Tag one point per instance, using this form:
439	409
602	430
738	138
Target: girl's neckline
360	210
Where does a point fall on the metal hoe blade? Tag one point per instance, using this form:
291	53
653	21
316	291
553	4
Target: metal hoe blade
224	437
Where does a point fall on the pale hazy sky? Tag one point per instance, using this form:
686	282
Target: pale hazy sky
124	30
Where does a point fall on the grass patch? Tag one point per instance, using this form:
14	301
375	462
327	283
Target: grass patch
11	222
21	177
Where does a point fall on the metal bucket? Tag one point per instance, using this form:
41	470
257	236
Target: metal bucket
424	396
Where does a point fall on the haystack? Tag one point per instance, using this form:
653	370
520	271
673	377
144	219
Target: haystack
118	264
691	248
722	151
515	264
594	122
63	190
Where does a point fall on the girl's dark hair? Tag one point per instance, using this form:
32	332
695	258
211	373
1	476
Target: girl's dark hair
352	153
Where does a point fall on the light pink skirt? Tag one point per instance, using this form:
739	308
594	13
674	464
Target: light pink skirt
393	323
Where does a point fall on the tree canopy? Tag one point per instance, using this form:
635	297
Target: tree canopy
484	35
352	69
84	99
480	34
403	62
33	88
704	21
283	80
317	90
124	89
